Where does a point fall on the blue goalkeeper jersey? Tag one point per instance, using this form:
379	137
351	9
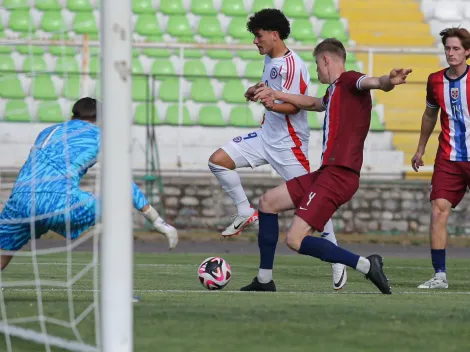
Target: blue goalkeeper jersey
60	157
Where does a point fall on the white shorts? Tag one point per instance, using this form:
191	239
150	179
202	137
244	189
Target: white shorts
250	151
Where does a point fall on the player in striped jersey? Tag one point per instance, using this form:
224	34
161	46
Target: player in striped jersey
449	91
282	140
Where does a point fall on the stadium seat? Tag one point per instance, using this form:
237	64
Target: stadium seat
295	9
172	116
325	9
156	52
6	63
254	70
178	26
37	50
234	8
448	11
10	87
219	54
79	5
172	7
234	92
15	4
42	88
142	6
237	29
162	68
211	116
47	5
189	53
169	90
334	29
375	124
140	89
312	70
4	49
203	8
66	64
17	111
20	21
85	23
250	54
49	112
209	27
147	26
302	30
71	88
225	70
194	69
313	120
94	65
61	50
143	112
262	4
242	116
202	91
137	66
52	22
34	63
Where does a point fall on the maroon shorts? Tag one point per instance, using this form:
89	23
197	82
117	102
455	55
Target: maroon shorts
450	180
319	194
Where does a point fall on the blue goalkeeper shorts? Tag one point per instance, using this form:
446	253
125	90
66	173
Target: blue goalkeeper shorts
68	215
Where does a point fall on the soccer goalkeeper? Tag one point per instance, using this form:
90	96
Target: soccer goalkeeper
47	195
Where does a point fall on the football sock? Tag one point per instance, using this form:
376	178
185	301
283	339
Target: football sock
327	251
231	184
363	265
267	241
329	233
265	275
438	257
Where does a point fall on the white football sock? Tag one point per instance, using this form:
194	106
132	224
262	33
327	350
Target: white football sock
231	184
363	265
329	233
441	275
265	275
151	214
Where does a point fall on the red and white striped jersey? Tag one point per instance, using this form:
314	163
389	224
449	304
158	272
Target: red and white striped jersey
287	74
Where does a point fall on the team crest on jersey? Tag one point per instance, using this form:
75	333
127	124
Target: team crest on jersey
273	73
454	93
237	139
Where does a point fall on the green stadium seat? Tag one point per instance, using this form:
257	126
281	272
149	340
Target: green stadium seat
321	90
162	68
202	91
178	26
20	21
15	4
142	6
242	116
143	112
53	22
209	27
234	92
237	29
47	5
71	89
169	90
234	8
189	53
30	49
4	49
34	63
225	70
58	50
65	65
17	111
79	5
85	23
295	9
42	88
250	54
313	120
302	30
203	8
334	29
254	70
50	112
211	116
325	9
140	89
10	87
173	113
219	54
147	26
137	66
312	70
6	63
307	55
194	69
97	94
172	7
352	66
375	124
351	57
156	52
94	65
262	4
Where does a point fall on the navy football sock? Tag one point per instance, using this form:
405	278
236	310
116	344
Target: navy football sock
438	257
267	239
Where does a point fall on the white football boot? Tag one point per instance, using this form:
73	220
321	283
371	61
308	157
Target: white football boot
340	275
435	282
240	223
169	231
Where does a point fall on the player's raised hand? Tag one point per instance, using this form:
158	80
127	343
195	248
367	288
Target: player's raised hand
399	75
417	161
268	102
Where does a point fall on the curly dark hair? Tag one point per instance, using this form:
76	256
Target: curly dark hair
269	20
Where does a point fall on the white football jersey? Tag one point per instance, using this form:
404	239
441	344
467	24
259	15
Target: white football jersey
288	74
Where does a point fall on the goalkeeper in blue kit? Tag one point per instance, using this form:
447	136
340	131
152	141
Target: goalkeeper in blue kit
47	195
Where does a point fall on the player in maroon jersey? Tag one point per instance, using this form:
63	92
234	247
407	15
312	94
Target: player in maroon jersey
316	196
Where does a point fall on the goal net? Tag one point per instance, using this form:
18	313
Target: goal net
62	293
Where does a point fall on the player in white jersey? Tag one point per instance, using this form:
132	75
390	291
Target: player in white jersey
282	139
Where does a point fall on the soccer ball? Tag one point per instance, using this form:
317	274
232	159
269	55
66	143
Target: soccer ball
214	273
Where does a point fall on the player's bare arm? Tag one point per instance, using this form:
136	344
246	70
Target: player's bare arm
428	122
387	82
250	92
301	102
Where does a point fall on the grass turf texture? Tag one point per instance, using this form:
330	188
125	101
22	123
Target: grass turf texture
178	314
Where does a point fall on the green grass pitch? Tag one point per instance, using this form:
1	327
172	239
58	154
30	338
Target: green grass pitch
177	314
